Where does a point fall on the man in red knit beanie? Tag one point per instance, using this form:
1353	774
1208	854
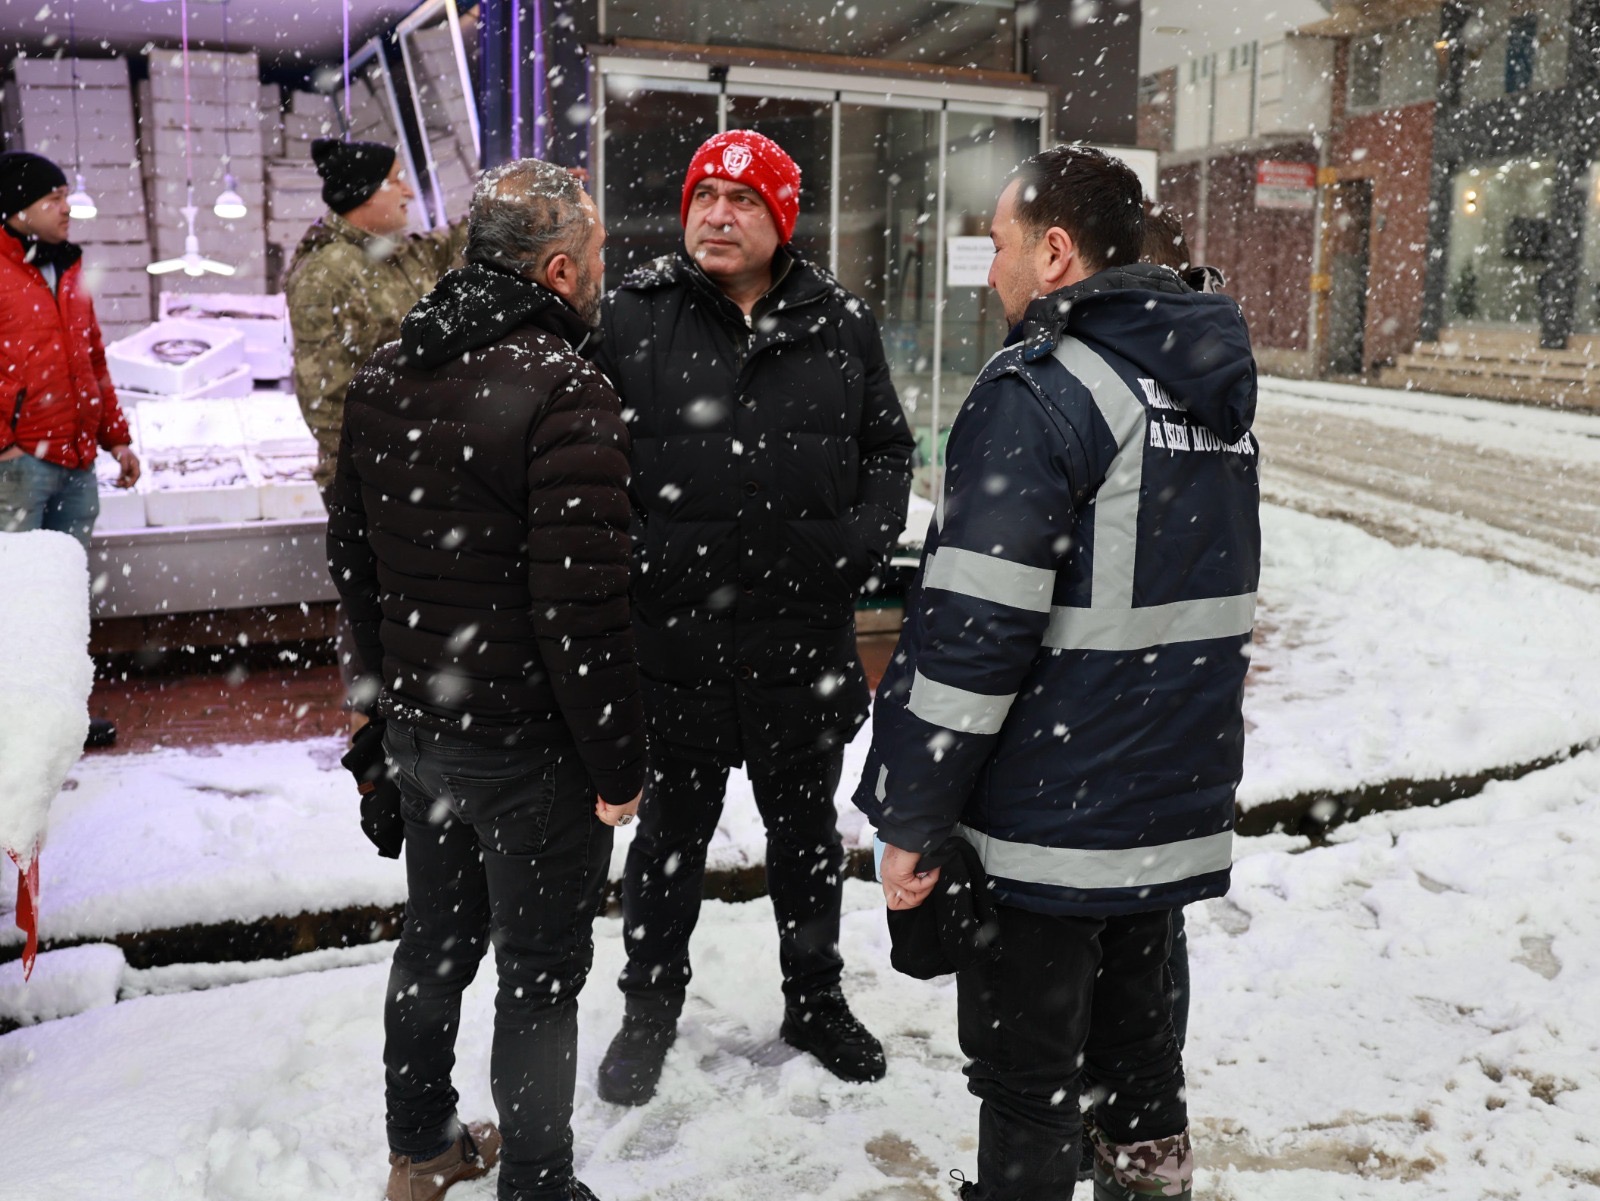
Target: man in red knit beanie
773	463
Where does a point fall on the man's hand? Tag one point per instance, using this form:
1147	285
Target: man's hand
11	452
129	462
903	886
617	815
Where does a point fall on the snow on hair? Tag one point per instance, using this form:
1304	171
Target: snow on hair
523	213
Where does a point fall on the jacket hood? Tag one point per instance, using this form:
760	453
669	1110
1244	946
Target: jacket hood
1195	345
479	305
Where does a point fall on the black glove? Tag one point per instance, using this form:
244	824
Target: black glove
381	820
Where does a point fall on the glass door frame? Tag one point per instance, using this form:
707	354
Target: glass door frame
943	96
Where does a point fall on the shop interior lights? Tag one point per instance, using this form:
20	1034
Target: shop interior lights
230	205
80	204
192	262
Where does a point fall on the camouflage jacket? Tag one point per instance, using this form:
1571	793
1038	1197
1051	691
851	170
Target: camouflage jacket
348	291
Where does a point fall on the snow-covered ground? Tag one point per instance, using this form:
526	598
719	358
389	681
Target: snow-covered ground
1405	1014
1371	665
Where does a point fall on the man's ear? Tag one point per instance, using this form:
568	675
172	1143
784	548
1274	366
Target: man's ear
561	275
1058	253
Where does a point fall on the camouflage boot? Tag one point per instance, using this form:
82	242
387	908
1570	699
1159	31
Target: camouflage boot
1162	1167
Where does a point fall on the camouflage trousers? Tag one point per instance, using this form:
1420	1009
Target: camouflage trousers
1069	998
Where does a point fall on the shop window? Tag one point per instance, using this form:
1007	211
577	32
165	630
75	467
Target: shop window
1522	42
1499	243
1515	46
1366	61
948	32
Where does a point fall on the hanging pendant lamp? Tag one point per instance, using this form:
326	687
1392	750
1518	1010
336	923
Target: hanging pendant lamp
229	205
191	262
80	204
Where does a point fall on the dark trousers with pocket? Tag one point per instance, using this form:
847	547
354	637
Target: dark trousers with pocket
665	874
502	844
1068	997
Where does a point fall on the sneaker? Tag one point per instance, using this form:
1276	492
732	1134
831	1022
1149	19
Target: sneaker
824	1026
102	733
632	1065
474	1152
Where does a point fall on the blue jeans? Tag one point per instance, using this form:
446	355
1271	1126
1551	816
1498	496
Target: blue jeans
36	495
502	844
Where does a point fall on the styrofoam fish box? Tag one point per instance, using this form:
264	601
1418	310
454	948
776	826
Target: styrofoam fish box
287	489
170	428
120	509
262	320
134	366
274	426
217	487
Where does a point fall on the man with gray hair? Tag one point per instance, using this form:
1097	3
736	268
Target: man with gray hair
478	533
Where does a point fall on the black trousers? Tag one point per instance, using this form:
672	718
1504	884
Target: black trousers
662	882
1068	996
501	844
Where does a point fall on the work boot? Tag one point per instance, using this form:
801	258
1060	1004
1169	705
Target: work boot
824	1026
102	733
632	1065
475	1151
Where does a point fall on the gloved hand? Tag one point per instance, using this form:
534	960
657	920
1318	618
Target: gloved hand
381	820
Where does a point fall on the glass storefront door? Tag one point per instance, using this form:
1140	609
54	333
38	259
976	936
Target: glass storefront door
887	177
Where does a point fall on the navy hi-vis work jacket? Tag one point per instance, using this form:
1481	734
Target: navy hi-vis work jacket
1066	693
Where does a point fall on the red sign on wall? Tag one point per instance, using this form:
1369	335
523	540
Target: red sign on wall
1282	185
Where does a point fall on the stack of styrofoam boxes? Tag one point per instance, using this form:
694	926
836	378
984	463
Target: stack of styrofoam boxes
140	374
445	113
196	471
38	115
284	455
294	201
263	321
270	115
310	115
224	122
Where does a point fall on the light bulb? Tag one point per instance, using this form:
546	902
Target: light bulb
230	205
80	204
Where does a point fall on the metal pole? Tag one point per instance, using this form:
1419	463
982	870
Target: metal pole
833	193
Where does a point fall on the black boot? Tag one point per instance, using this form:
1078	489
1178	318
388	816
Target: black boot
633	1062
581	1191
102	733
824	1026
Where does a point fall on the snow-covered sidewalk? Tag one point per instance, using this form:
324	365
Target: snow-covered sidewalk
1373	663
1405	1014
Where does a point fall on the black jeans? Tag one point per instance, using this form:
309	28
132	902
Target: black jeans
502	844
662	882
1068	996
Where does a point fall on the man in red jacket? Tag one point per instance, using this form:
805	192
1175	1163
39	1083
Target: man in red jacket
57	406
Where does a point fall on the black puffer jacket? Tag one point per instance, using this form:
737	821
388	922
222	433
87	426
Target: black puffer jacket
771	462
477	528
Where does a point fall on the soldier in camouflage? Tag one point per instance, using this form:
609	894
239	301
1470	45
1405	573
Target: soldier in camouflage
354	277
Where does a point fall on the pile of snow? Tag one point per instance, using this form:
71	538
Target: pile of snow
66	982
45	678
1395	1017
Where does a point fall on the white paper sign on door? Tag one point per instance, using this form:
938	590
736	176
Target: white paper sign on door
966	262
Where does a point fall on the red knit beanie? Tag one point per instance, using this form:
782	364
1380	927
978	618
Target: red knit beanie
747	157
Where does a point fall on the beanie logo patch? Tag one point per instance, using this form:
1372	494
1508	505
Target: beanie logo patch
735	160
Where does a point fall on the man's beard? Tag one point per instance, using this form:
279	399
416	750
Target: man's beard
586	300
